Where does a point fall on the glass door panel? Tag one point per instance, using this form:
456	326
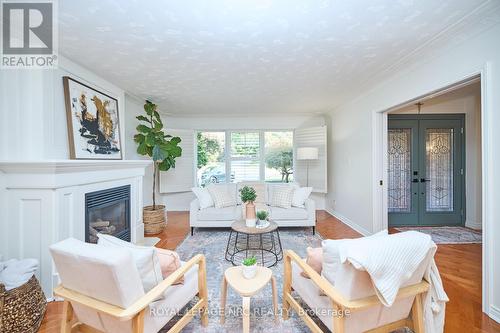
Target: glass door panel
399	155
439	164
402	148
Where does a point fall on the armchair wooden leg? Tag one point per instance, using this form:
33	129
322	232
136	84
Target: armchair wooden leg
275	298
138	322
223	301
417	315
67	319
203	291
338	321
287	286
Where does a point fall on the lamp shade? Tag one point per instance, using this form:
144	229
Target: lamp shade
307	153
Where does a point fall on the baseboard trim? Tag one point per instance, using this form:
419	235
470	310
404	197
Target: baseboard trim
474	225
494	313
348	222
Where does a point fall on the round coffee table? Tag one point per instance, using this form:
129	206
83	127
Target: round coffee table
264	244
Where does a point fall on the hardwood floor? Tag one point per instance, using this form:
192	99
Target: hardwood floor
459	265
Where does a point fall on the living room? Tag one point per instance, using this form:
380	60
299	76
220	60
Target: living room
240	146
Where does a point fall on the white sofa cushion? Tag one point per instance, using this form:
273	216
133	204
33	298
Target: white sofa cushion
356	322
203	196
145	259
260	190
220	214
292	213
282	197
331	256
300	196
272	186
158	314
223	195
106	274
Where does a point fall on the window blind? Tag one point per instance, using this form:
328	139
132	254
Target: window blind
312	137
182	177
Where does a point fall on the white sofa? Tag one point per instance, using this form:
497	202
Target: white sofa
223	217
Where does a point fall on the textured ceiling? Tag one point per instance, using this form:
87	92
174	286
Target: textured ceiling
220	57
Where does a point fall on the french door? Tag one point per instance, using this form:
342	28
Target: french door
426	176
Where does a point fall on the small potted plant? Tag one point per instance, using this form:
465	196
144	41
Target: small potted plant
262	216
249	267
248	196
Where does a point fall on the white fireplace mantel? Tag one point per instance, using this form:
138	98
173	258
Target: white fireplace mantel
43	202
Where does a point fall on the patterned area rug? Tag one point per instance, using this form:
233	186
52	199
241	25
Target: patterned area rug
449	235
212	243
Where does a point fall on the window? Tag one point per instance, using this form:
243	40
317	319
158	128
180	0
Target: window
278	156
252	156
245	156
211	161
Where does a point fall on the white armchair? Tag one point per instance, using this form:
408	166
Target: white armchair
103	292
351	305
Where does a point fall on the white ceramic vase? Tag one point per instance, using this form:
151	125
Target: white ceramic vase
250	223
249	272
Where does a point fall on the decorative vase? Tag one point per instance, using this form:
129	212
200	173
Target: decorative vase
249	272
154	220
250	215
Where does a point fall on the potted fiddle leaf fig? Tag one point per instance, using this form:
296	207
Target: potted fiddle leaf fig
163	149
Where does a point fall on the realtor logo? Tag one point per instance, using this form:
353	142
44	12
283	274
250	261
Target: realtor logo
28	34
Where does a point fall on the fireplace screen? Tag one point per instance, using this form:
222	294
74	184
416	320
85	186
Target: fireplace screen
108	212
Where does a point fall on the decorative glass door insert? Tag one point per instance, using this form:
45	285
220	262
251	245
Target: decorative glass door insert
399	173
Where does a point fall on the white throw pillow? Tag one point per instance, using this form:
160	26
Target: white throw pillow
145	259
272	187
203	196
221	195
282	197
331	256
300	196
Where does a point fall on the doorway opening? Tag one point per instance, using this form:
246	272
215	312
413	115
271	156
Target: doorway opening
434	161
468	99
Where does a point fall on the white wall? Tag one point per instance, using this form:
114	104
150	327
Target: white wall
351	151
466	100
180	201
33	112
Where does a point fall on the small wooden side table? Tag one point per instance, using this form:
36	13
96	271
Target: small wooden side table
247	288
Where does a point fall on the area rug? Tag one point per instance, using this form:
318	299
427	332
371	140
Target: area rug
212	243
449	235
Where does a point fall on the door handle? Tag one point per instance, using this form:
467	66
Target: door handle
415	180
423	180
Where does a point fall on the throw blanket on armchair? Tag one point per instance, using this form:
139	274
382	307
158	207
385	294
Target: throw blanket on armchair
391	261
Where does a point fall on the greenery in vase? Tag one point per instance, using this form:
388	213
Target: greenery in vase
152	141
250	261
247	194
262	215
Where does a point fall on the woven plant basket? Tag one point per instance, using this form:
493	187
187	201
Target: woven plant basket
154	220
22	308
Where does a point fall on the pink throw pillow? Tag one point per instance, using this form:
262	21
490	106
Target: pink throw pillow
314	260
169	263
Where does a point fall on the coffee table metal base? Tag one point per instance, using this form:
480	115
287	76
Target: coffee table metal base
266	247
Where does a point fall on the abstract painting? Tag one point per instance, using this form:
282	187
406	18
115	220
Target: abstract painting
93	122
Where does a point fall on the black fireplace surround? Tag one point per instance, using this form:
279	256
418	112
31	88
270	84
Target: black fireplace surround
108	212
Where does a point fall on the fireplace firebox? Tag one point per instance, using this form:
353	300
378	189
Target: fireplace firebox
108	212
